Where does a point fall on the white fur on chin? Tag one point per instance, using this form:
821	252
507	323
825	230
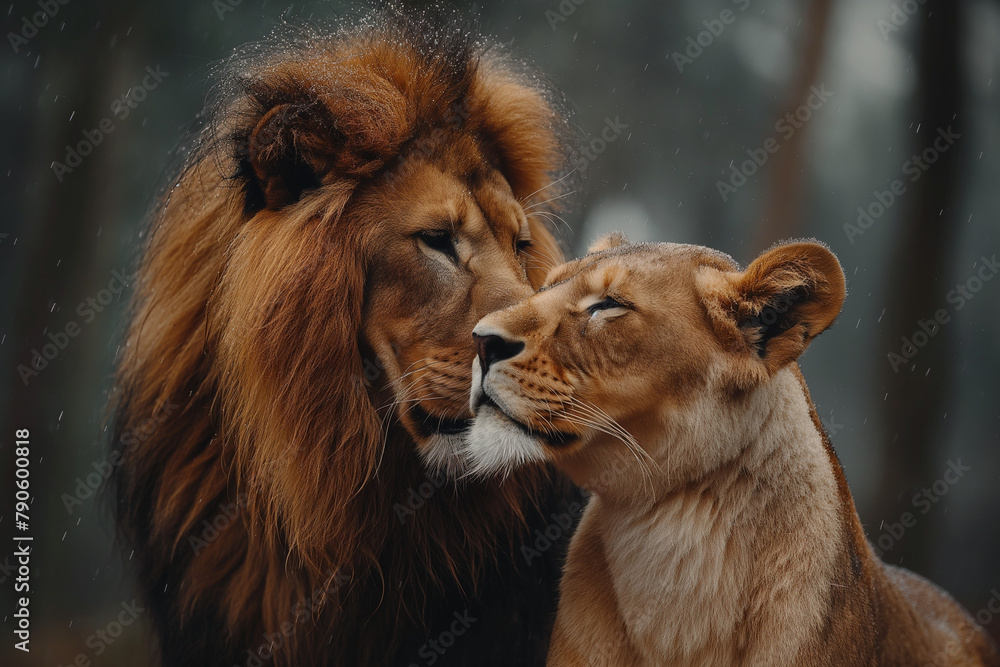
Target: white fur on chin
496	445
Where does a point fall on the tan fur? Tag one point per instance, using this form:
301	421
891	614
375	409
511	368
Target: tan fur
721	530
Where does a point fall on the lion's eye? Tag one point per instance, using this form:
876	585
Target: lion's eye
522	245
439	241
607	303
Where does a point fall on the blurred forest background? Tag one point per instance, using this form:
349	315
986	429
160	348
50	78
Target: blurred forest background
748	121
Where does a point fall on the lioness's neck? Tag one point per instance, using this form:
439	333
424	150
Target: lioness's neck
743	553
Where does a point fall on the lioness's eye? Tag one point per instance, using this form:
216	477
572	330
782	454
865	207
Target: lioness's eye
607	303
439	241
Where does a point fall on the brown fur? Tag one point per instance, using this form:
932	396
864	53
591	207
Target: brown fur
289	304
721	530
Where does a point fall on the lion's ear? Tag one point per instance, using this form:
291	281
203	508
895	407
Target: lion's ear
608	241
290	150
784	299
296	138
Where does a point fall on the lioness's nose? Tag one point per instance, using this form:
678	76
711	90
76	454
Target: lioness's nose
492	348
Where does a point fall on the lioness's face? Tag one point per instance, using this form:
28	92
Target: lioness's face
644	353
451	244
585	360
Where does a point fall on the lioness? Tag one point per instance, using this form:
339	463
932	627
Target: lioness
722	530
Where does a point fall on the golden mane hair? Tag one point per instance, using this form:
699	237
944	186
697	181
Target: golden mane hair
260	514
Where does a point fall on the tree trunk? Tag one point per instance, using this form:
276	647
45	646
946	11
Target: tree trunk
916	392
783	204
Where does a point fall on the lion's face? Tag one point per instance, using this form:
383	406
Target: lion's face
451	245
634	342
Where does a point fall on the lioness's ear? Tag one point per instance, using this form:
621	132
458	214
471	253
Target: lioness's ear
608	241
784	299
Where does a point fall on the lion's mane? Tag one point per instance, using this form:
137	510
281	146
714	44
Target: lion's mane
258	514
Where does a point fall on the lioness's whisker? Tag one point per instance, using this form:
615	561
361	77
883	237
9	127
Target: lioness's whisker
602	426
647	473
595	413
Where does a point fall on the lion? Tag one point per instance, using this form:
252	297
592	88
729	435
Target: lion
721	530
356	200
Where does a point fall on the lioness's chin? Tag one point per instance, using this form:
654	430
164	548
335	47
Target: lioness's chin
443	452
496	444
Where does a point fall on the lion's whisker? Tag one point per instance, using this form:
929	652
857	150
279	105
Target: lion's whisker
546	187
548	215
400	415
559	196
407	372
541	253
420	399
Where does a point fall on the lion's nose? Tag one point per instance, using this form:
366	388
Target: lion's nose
492	348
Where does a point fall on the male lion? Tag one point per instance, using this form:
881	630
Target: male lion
304	306
722	530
